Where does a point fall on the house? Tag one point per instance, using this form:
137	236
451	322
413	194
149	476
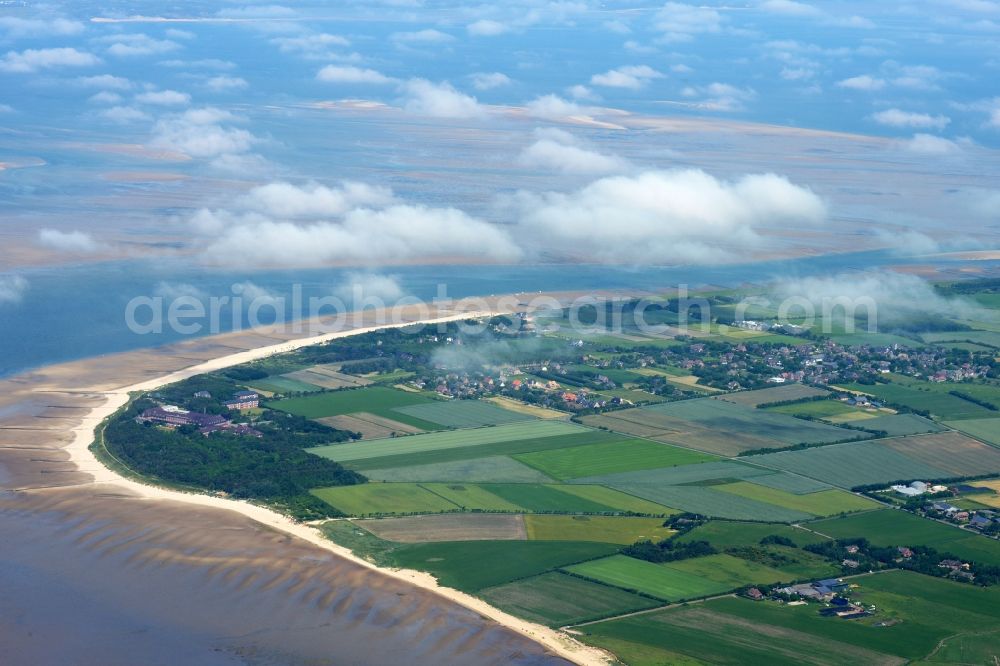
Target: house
202	394
905	552
755	594
243	400
852	549
832	584
944	506
960	516
979	522
851	564
173	416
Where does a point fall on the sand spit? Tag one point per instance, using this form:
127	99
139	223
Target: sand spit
56	467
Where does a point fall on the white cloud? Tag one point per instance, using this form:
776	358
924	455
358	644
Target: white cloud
721	97
124	114
553	107
358	287
680	22
560	151
895	296
207	63
257	11
226	83
489	80
77	242
439	100
582	92
789	8
255	295
420	38
900	118
12	288
138	44
164	98
105	97
363	235
862	82
200	133
171	291
312	45
15	27
487	28
908	243
928	144
349	74
33	60
313	200
633	77
664	217
104	82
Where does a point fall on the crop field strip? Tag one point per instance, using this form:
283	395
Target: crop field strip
370	426
851	464
610	457
953	452
463	413
557	599
934	398
896	425
888	527
450	439
822	503
498	469
987	430
622	530
377	400
769	395
449	527
482	450
656	580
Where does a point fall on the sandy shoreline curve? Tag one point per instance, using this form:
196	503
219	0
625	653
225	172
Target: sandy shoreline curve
83	436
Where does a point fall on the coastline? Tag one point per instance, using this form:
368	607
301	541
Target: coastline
80	454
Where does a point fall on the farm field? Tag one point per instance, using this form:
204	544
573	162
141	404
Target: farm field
544	498
820	409
473	451
726	534
279	384
499	469
730	571
618	500
851	464
694	473
471	497
526	409
656	580
383	498
932	397
924	611
776	394
896	425
791	483
473	565
988	500
462	413
711	502
610	457
889	527
622	530
448	527
987	430
717	426
326	377
377	400
370	426
451	439
953	452
557	599
822	503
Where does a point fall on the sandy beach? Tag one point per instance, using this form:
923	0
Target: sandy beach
104	397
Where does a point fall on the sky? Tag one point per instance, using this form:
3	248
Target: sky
267	135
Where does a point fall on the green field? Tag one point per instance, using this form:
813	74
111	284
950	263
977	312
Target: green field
471	497
890	527
514	447
557	599
451	439
730	571
462	413
763	397
622	530
852	464
726	534
987	430
278	384
823	503
644	577
499	469
383	498
711	502
933	397
545	498
473	565
895	425
377	400
791	483
920	614
617	499
695	473
817	409
610	457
